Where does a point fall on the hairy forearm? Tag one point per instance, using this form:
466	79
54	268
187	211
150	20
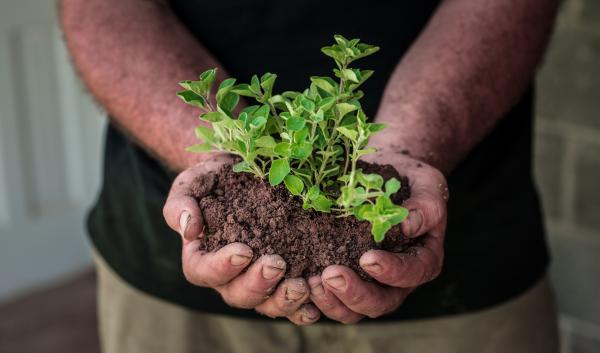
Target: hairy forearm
130	54
464	72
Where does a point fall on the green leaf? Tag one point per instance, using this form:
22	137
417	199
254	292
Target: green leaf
205	133
322	204
346	196
391	186
295	123
242	166
319	116
360	196
255	84
326	103
301	151
351	134
349	75
229	101
313	192
224	89
267	81
266	152
373	127
364	212
208	77
192	98
282	149
212	117
383	203
265	141
202	147
325	83
345	108
378	229
366	151
294	184
370	181
243	90
262	111
280	168
334	53
301	135
307	104
258	121
343	42
397	214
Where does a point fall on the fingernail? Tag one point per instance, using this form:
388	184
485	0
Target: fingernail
270	272
415	221
307	316
373	267
337	282
293	295
238	260
184	220
317	290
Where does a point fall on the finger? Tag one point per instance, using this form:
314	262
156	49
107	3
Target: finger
211	269
181	209
359	296
306	315
253	287
420	264
427	203
329	304
287	299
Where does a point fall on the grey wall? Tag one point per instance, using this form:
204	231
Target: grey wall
568	168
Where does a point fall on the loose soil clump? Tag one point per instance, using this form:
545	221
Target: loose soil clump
239	207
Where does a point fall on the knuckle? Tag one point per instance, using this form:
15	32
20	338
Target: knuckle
325	304
357	298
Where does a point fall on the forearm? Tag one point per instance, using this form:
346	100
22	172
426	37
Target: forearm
463	73
131	54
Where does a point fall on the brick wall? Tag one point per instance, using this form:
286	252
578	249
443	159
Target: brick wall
568	169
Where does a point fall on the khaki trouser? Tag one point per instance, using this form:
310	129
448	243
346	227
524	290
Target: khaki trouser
134	322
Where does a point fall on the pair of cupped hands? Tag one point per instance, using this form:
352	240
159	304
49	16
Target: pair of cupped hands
338	293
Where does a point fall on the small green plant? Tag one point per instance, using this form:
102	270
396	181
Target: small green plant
311	141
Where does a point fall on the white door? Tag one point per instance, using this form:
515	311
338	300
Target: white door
50	150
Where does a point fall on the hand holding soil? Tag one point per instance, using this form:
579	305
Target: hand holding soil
342	295
296	199
228	269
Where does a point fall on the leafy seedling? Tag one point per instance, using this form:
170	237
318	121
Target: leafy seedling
310	141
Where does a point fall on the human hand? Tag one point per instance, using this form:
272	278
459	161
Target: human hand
260	286
342	296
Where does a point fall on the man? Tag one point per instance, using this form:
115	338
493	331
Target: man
453	84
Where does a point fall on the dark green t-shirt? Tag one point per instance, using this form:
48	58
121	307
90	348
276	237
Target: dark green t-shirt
495	247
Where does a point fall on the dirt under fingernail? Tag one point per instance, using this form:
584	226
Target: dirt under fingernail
293	295
337	282
373	268
270	272
238	260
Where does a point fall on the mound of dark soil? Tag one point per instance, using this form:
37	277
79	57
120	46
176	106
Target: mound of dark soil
242	208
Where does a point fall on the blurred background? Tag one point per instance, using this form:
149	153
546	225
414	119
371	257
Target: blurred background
50	164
